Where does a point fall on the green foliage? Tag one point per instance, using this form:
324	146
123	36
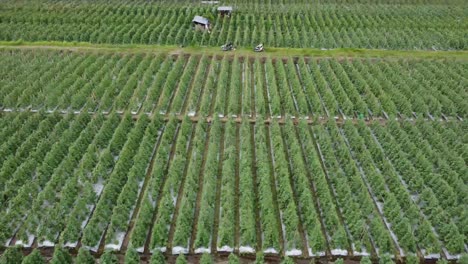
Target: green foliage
34	258
205	222
412	259
246	184
84	256
61	256
269	221
287	260
158	258
108	258
339	261
365	260
320	175
174	178
259	259
233	259
181	259
463	259
206	259
12	255
442	261
386	259
132	256
285	193
305	87
319	26
227	224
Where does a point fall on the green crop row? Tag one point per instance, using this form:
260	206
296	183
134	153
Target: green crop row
317	25
232	86
175	185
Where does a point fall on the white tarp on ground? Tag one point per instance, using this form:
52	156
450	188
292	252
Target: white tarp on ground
179	250
247	249
225	249
294	252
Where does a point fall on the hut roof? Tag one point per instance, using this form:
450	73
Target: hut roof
225	8
200	20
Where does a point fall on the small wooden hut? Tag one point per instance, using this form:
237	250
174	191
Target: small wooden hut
225	10
201	23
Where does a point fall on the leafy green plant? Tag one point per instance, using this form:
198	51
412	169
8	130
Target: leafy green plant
132	256
386	259
339	261
108	258
365	260
34	258
259	259
412	259
158	258
206	259
287	260
61	256
13	255
181	259
233	259
84	257
463	259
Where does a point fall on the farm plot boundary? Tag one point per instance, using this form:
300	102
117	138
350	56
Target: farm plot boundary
271	51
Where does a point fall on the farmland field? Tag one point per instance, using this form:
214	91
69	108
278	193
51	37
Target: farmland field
317	25
232	85
128	137
340	187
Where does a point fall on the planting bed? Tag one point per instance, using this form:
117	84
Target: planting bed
409	25
235	86
350	189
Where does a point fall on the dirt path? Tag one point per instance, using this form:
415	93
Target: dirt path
269	52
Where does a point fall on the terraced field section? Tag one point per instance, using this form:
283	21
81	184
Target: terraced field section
307	190
385	24
235	86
